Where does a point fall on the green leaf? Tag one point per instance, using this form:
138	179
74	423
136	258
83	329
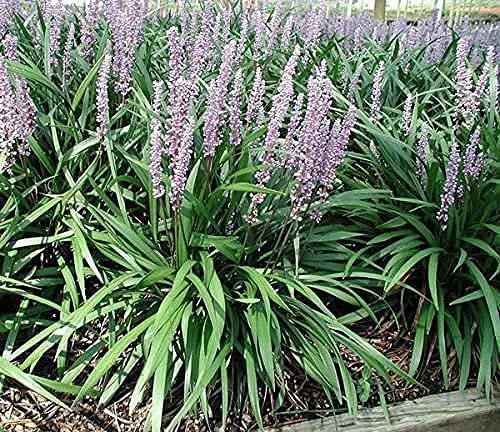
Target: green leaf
108	360
13	372
208	373
84	85
443	355
432	274
409	264
476	295
249	187
253	388
418	342
264	287
486	248
489	297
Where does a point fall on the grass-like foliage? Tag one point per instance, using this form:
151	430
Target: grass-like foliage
209	196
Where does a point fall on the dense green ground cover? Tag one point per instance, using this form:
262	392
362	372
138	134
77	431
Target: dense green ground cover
201	226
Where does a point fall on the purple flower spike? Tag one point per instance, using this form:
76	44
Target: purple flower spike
273	30
332	157
176	60
102	96
58	14
126	23
178	110
449	188
235	122
90	22
377	92
281	102
10	46
463	82
242	41
290	146
68	48
353	83
26	113
475	96
226	25
407	114
215	104
279	110
22	104
422	158
474	158
8	119
179	166
204	45
7	8
255	110
259	28
335	151
313	139
287	33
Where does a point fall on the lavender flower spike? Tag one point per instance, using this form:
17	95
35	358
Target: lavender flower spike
178	110
216	98
286	33
235	122
10	46
290	158
377	92
281	101
449	188
259	27
89	23
68	47
279	109
24	107
176	61
8	119
204	45
334	153
273	29
313	139
255	110
56	22
463	81
475	97
422	145
102	96
156	144
26	113
353	83
407	113
6	10
474	158
126	28
180	165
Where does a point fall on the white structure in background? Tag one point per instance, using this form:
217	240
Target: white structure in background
352	6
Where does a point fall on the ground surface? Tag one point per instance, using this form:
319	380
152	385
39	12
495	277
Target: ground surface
24	411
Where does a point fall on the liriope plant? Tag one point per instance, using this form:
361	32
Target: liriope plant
205	192
436	155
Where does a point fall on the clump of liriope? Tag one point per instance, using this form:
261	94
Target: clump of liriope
246	206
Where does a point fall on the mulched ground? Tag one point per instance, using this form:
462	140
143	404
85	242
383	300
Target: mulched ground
24	411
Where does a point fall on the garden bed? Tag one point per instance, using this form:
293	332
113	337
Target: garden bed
218	217
304	408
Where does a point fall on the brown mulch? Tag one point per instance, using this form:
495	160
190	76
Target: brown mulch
24	411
